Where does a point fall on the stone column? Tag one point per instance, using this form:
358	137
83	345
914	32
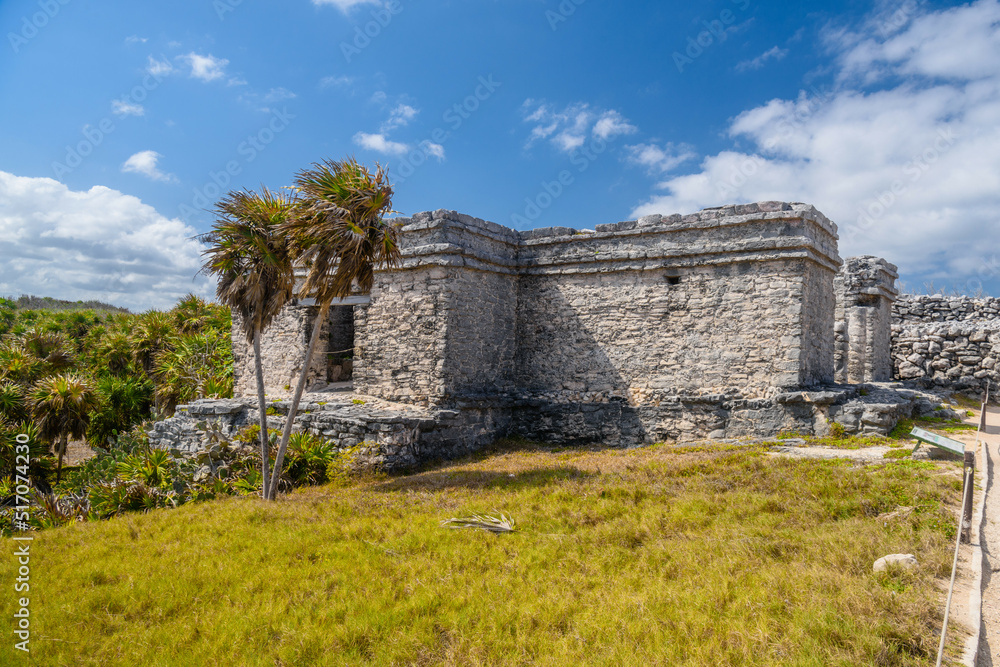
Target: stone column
865	290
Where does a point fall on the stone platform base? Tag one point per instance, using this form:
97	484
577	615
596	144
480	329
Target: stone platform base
394	436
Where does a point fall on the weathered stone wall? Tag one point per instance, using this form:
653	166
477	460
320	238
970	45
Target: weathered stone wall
710	303
633	335
481	336
283	346
959	355
635	332
400	336
937	308
947	342
865	291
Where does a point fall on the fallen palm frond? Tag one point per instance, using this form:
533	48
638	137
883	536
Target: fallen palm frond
501	524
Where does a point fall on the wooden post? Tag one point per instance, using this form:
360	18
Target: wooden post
982	414
969	481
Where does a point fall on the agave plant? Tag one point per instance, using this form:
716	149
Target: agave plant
341	237
60	510
112	498
61	406
153	468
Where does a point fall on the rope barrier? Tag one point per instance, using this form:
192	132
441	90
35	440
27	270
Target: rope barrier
954	569
966	497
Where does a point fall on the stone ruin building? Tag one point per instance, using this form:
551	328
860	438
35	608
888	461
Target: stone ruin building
734	321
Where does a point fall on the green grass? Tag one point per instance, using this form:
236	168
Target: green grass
640	557
938	424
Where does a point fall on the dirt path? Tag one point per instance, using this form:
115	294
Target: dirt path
989	638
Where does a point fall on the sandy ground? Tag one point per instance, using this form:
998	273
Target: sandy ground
989	641
77	452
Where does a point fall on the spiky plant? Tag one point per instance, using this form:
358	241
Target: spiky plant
255	277
12	404
340	237
113	352
53	349
153	334
61	405
18	364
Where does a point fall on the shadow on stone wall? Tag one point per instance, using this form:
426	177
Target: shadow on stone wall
570	390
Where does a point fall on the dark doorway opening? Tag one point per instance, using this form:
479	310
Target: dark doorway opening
340	345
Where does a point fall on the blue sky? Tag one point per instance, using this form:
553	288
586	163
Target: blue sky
124	121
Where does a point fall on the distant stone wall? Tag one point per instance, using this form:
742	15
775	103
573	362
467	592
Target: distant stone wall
948	342
937	308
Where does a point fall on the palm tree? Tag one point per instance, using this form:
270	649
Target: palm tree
153	335
18	364
51	348
12	407
61	405
340	237
255	276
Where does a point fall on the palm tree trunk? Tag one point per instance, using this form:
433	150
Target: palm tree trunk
264	449
324	309
62	452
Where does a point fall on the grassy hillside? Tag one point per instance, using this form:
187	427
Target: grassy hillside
662	555
32	302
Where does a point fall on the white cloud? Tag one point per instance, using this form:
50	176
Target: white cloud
910	171
98	244
335	81
206	68
159	67
773	53
569	128
144	162
380	144
399	117
433	149
126	108
135	39
657	159
611	124
264	102
344	5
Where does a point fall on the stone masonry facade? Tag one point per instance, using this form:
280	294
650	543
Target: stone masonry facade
734	321
947	342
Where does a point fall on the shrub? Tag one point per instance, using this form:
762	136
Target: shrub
307	460
40	465
123	403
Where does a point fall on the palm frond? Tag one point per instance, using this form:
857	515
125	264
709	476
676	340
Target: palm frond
492	524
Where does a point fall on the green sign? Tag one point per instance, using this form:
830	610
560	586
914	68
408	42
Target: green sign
953	446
